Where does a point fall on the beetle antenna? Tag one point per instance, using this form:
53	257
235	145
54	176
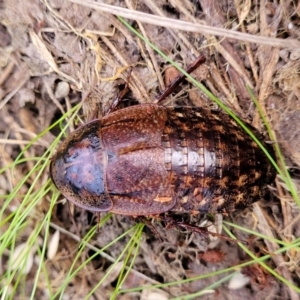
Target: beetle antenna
170	88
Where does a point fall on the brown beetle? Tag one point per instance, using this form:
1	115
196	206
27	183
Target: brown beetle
149	159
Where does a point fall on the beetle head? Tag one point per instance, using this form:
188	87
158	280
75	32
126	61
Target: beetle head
78	169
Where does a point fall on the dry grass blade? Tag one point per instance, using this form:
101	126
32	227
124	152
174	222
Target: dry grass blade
186	26
46	55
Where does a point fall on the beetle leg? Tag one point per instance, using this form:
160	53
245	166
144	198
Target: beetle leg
147	222
73	220
120	96
98	222
172	222
170	88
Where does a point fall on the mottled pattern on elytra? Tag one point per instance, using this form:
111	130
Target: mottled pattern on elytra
148	159
213	164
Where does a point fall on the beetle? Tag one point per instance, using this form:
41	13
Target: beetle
149	159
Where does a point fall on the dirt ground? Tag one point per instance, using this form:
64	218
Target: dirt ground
56	54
